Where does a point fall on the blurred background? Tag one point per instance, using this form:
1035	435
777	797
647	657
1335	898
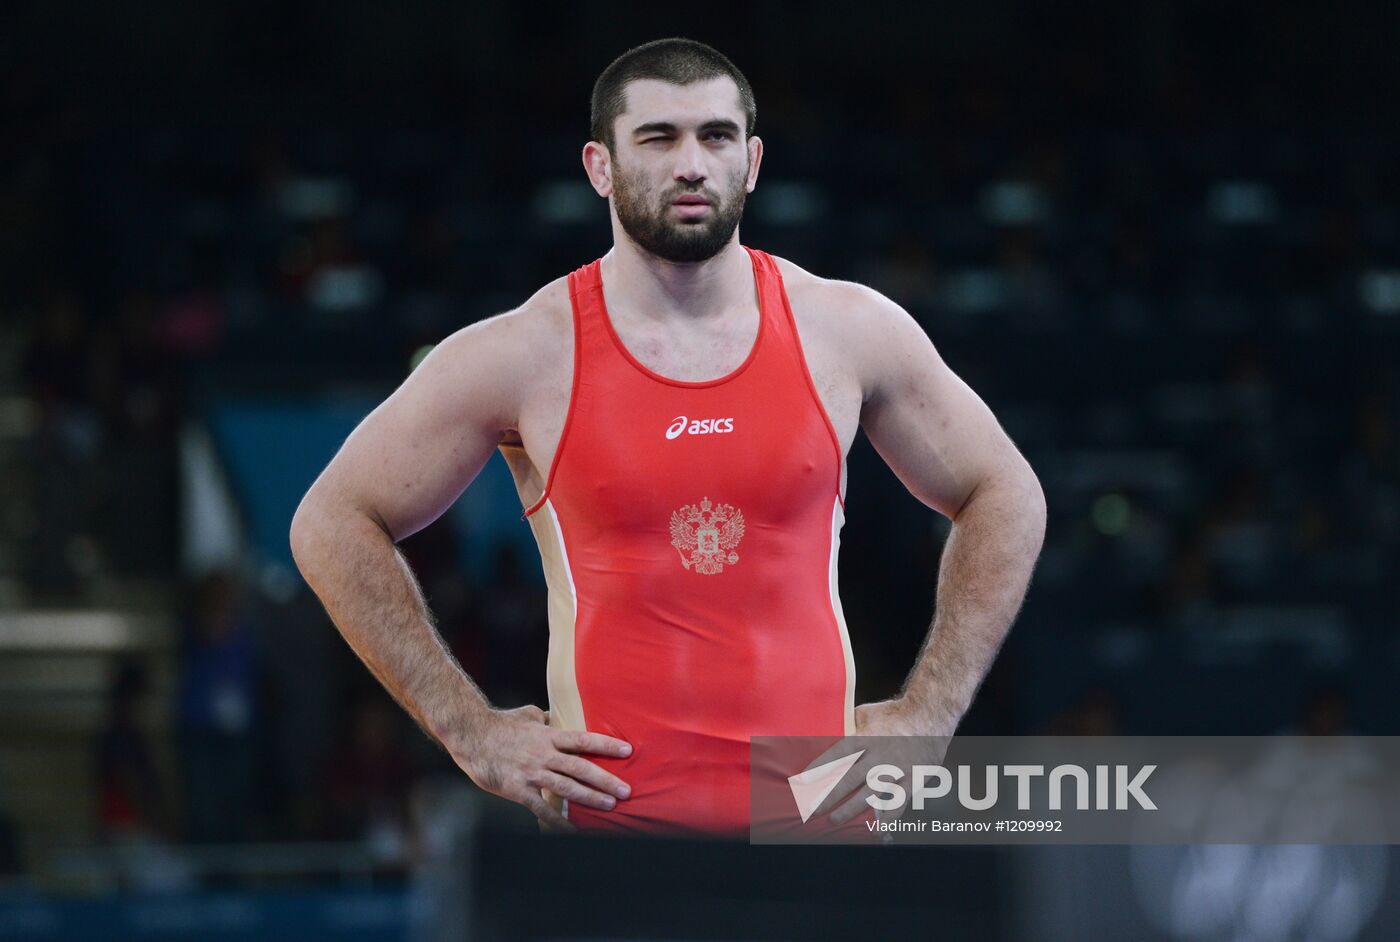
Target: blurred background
1161	241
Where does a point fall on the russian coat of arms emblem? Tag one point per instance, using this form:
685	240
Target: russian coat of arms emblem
706	535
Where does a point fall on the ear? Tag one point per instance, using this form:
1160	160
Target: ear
755	158
597	163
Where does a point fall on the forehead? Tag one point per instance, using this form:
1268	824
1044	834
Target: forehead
651	100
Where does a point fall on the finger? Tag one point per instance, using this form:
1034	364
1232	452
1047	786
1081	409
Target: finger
580	741
547	828
589	773
853	807
855	784
855	780
859	804
838	750
543	810
840	796
574	791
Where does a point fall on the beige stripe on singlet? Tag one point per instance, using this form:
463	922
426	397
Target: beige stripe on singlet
565	704
837	519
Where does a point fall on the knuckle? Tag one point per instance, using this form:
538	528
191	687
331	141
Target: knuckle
575	791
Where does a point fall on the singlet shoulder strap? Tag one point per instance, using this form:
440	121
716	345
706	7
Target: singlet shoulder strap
590	317
774	302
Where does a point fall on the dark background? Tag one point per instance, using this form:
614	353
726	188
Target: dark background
1161	241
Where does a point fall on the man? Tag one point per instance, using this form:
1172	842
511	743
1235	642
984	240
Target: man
676	415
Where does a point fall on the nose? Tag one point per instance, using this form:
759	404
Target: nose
690	160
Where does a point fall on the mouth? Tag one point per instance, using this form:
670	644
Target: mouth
691	207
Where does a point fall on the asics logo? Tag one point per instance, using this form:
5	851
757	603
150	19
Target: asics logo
682	425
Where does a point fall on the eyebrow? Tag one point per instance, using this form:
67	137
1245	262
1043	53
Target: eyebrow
666	127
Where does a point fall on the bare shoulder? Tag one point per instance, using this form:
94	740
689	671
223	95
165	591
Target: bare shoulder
497	367
841	305
866	327
539	327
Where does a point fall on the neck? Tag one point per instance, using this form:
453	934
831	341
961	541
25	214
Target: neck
656	288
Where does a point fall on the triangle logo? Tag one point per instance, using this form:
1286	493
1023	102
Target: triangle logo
810	788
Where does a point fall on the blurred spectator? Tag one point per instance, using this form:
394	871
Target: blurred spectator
1096	713
451	594
1370	472
516	628
57	369
1240	532
9	848
907	274
131	799
370	776
218	710
1189	590
1034	293
133	812
1324	713
134	374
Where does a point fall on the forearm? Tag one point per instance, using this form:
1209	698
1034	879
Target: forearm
372	596
982	581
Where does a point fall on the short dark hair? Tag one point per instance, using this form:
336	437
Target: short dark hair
676	60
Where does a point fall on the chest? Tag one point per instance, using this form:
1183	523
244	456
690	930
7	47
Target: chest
715	427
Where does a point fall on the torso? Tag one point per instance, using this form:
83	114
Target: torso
691	575
816	306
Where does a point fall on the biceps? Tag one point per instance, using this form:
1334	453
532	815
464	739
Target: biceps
935	433
412	457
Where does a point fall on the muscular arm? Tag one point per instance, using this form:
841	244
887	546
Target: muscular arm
948	449
398	471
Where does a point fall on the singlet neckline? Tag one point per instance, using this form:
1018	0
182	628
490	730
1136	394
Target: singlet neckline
685	383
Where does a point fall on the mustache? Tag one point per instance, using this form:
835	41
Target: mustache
700	192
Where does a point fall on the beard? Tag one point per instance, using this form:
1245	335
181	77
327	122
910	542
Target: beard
647	219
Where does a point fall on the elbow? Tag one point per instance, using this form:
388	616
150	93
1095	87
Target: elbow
1037	511
1037	498
1016	498
1032	496
302	533
1017	491
298	537
324	523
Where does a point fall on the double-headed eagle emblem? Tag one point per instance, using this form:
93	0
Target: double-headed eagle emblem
708	533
